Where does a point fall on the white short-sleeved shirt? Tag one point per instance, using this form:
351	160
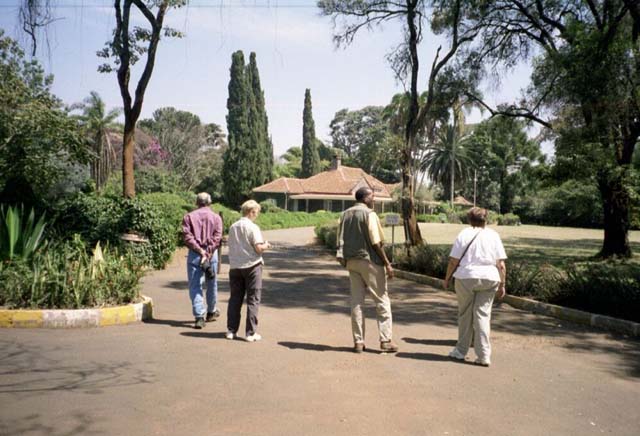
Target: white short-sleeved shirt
243	237
482	256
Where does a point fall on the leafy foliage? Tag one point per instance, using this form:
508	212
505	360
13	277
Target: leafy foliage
21	235
186	141
97	122
366	142
67	276
572	204
105	219
246	164
38	137
504	159
327	235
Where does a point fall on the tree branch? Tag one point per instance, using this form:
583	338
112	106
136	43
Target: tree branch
121	43
513	112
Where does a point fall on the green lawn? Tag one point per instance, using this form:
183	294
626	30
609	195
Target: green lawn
537	244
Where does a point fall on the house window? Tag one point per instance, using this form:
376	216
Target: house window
327	205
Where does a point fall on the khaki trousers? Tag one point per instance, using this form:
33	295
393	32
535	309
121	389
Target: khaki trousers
475	298
367	277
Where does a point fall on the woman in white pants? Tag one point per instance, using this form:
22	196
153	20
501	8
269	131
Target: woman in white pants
477	263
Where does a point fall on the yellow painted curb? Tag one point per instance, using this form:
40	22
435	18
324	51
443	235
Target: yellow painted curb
46	318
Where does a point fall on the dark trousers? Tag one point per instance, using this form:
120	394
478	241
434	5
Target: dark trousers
244	281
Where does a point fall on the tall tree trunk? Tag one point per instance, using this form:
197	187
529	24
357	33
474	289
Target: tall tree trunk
453	173
617	203
410	220
128	147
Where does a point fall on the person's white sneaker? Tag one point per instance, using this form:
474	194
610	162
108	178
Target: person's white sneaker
482	362
253	338
229	335
456	355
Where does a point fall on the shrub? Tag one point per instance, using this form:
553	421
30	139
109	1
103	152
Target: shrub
285	220
572	204
424	259
229	216
508	219
327	235
270	205
105	219
146	219
172	208
531	280
611	288
432	218
67	276
148	180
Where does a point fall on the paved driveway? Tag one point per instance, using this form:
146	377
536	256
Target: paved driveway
548	377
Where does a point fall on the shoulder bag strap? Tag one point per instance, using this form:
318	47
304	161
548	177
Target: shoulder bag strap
465	250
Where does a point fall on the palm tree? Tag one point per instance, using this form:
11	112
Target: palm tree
447	160
97	123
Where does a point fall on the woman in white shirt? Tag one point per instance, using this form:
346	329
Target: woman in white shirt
477	263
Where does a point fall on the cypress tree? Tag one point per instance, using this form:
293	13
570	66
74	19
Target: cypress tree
259	124
310	156
238	170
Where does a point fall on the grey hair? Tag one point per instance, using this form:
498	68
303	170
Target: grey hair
203	199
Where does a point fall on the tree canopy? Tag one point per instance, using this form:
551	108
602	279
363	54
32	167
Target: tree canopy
37	135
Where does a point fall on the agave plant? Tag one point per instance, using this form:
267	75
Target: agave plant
20	234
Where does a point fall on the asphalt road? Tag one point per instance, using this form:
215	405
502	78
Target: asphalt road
548	377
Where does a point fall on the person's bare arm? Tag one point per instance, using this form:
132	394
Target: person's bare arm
379	248
261	247
502	269
451	267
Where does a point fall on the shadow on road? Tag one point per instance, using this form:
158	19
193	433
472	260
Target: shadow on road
432	357
27	370
204	335
443	342
170	322
36	424
313	347
311	279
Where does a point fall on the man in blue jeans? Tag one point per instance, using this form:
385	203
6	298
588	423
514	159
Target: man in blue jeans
202	232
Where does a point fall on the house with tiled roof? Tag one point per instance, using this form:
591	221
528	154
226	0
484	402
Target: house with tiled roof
332	190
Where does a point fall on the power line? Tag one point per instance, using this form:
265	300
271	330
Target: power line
200	4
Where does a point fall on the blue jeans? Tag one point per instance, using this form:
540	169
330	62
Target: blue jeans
196	281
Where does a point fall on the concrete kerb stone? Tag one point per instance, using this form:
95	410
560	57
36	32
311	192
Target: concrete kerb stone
578	316
78	318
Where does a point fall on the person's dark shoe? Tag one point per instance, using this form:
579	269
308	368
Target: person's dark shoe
212	316
199	323
358	347
388	347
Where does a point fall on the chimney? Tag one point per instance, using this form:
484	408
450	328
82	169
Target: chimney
335	163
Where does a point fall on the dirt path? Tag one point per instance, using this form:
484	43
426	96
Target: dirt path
548	377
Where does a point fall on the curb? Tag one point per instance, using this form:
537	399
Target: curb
577	316
78	318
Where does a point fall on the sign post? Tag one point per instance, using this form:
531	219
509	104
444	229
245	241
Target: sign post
392	220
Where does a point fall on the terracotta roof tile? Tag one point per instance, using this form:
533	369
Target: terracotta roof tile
341	181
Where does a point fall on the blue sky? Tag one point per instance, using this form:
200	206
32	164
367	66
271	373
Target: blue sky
294	49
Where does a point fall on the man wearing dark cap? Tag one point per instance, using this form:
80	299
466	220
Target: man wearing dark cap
360	244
